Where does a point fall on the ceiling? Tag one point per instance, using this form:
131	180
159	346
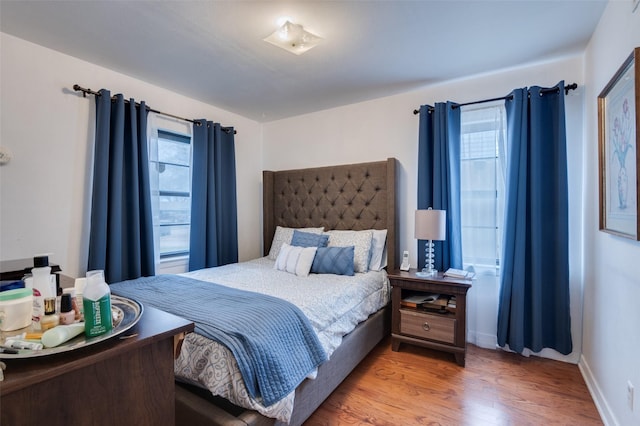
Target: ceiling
213	50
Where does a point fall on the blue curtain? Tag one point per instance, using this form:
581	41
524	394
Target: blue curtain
439	179
214	215
534	294
121	234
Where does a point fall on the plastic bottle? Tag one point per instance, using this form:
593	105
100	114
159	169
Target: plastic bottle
42	288
80	284
96	300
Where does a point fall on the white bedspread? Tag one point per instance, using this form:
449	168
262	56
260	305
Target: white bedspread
334	305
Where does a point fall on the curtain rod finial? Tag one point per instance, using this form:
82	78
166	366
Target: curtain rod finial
77	88
572	86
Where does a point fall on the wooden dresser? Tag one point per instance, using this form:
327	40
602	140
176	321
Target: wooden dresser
124	380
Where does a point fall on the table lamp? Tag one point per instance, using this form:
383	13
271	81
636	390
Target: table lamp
430	225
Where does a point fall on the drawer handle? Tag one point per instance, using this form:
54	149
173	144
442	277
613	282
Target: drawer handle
426	326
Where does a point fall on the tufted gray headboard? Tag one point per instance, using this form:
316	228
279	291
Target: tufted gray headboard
353	196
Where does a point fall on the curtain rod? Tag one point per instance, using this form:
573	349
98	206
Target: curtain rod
571	86
84	91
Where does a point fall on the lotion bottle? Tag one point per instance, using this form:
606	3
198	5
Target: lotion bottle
41	279
96	300
61	334
80	284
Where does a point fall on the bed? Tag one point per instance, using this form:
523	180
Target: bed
355	197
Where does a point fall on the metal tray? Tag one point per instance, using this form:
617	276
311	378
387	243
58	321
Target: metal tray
127	310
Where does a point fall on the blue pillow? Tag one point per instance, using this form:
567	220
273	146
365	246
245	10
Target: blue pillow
333	260
307	239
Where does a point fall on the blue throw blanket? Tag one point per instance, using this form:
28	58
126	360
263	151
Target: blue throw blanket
271	339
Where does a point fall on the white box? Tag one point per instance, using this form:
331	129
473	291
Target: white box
16	307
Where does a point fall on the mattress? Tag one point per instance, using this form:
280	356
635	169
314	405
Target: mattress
333	304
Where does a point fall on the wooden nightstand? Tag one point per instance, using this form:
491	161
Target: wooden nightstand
444	330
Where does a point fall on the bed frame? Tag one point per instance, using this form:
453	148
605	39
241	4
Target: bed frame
354	196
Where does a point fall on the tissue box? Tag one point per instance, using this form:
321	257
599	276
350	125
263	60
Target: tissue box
16	307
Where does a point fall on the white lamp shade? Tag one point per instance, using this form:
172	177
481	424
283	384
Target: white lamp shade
431	225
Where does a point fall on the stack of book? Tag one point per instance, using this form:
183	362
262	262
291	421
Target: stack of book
459	273
417	300
451	305
426	301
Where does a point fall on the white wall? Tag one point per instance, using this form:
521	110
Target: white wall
611	344
45	189
386	127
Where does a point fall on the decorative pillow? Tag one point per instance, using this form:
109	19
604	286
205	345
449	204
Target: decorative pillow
281	260
307	239
284	235
361	240
295	260
378	250
333	260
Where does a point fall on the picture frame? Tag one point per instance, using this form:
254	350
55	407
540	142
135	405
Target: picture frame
618	141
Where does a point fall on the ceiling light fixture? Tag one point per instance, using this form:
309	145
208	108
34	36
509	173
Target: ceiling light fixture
293	38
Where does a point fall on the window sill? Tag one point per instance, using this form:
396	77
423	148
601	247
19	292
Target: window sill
173	265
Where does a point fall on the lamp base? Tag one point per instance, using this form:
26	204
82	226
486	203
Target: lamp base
425	273
428	270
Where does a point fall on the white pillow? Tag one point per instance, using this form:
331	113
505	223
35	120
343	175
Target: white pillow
295	260
378	250
281	260
361	240
284	235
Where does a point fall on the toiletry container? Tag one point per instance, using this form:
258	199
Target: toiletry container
41	280
61	334
67	314
96	300
15	309
50	318
79	285
71	291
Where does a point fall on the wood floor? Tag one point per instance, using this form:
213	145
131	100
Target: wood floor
418	386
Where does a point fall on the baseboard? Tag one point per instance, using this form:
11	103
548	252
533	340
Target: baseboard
482	340
598	398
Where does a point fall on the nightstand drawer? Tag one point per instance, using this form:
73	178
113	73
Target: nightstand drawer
427	326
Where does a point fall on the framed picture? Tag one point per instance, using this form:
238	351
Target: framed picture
618	137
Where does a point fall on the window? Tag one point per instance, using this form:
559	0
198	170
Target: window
482	173
170	157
